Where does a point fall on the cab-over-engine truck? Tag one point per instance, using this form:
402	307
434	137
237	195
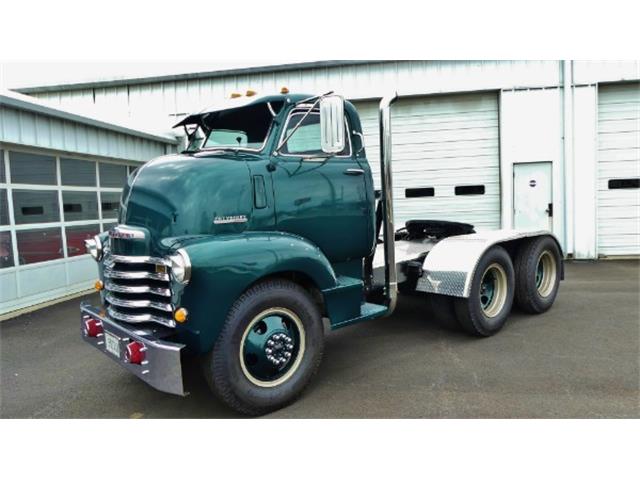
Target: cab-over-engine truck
236	249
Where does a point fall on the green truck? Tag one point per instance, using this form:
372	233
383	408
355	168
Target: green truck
267	227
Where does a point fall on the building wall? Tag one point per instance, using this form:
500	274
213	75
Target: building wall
548	112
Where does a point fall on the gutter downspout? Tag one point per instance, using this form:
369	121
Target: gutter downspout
568	160
390	274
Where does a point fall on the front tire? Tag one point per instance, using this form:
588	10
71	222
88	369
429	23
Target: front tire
490	300
538	271
268	350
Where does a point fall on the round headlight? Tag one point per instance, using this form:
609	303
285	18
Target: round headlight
94	247
180	267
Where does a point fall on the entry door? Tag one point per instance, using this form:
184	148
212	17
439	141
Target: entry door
532	192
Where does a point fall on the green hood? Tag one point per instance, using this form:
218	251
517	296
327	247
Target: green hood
182	195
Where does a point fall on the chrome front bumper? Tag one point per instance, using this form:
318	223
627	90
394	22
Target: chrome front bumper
162	368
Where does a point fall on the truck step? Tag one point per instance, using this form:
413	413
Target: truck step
368	311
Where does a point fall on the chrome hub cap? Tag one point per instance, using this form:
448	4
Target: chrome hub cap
272	347
493	290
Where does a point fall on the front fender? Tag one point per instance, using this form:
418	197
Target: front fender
224	266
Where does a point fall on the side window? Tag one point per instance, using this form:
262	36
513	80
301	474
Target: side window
306	138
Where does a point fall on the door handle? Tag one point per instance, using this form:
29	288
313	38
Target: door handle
549	210
353	171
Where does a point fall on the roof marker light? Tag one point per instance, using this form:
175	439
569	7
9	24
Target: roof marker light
250	93
236	95
284	90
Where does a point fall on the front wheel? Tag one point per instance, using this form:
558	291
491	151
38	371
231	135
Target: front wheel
269	349
487	308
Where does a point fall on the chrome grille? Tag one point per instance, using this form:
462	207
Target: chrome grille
138	289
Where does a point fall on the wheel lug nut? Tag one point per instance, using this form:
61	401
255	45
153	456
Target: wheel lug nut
287	354
270	343
268	351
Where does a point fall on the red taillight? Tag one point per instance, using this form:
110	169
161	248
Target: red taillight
92	327
134	352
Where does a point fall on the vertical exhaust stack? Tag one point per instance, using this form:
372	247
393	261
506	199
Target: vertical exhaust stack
390	274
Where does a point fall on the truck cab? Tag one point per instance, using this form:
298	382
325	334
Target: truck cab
237	248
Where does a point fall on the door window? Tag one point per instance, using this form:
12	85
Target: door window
305	140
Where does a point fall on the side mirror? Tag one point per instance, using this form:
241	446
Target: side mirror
332	138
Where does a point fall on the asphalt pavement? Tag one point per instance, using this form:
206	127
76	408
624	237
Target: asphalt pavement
579	360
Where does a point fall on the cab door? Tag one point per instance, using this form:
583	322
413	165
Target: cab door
323	199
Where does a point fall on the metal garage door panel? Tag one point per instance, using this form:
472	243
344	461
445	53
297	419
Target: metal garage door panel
441	142
618	158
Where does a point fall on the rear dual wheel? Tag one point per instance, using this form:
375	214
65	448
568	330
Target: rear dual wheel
538	269
487	308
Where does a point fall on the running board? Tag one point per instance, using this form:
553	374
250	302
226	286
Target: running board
368	311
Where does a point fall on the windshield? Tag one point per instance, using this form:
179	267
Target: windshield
244	128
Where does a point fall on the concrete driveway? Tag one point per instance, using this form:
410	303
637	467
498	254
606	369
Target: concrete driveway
581	359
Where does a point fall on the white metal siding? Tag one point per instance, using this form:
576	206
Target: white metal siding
441	142
33	129
158	105
618	158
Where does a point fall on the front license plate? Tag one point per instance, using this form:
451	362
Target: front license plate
112	343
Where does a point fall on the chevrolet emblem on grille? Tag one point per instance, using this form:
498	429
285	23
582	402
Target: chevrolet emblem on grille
125	233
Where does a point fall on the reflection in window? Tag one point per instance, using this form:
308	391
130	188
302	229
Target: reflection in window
113	176
32	168
79	173
6	250
39	245
110	204
79	206
32	206
76	237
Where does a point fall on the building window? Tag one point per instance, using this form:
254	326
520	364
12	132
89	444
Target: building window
3	175
78	173
39	245
6	250
80	206
43	203
110	204
4	207
33	206
112	175
624	183
32	168
419	192
470	190
76	236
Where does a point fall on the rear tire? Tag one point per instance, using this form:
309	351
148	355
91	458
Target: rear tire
268	350
486	310
538	270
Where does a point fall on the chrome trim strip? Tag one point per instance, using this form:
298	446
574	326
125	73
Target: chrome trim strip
140	318
110	273
141	259
113	300
114	287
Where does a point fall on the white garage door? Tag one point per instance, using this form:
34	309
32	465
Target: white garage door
619	169
445	157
